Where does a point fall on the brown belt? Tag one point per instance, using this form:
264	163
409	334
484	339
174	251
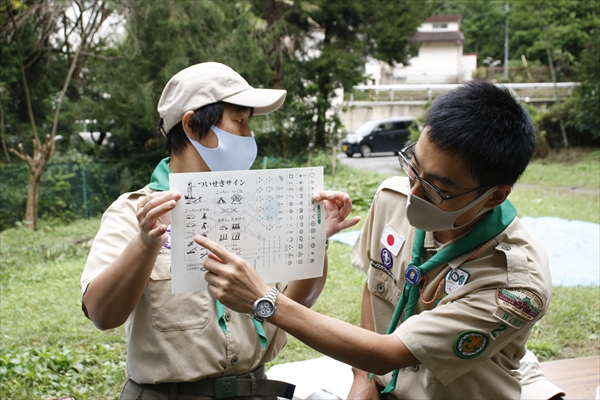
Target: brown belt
229	386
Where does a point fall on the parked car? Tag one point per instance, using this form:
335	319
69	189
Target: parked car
378	136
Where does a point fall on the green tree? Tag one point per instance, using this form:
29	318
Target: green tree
322	47
483	24
587	96
561	26
46	41
564	25
160	39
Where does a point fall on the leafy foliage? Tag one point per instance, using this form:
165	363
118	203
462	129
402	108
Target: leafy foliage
587	96
565	25
327	44
71	188
42	372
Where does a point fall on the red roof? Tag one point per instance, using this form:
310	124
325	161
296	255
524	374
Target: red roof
445	18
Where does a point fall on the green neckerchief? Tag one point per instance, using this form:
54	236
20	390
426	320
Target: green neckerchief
160	182
262	336
160	177
490	226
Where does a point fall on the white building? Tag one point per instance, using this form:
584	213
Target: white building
440	58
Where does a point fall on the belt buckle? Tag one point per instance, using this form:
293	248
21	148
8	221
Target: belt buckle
226	387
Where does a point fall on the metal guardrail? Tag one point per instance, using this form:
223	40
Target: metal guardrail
449	86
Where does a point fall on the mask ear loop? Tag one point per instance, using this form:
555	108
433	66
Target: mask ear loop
161	128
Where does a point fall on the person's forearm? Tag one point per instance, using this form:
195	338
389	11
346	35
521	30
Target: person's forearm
306	291
360	348
112	295
366	322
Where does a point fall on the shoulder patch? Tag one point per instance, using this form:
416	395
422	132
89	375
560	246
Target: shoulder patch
455	279
523	303
470	344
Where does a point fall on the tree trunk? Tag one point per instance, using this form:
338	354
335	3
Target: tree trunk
33	189
4	149
320	128
43	152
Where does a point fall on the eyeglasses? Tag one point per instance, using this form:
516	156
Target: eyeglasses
405	157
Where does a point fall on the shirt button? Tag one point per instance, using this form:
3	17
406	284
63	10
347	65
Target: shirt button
234	361
381	288
505	247
414	367
227	317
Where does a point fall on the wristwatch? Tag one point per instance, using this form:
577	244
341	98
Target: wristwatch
264	308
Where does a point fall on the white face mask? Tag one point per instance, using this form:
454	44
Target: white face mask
233	153
428	217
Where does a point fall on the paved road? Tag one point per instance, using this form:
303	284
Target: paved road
384	163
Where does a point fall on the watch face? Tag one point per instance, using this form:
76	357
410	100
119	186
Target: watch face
264	308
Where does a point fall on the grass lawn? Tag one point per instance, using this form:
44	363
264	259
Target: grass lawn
49	349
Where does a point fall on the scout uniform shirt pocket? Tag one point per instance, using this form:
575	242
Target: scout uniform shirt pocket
175	312
384	294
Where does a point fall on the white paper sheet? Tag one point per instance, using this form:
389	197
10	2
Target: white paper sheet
266	217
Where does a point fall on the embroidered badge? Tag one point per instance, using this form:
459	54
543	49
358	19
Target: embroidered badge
494	333
391	240
455	279
386	258
509	318
470	344
521	302
380	267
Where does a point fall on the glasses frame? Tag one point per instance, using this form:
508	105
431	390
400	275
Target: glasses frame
405	161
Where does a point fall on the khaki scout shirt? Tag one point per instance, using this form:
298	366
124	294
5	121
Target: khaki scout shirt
175	337
475	314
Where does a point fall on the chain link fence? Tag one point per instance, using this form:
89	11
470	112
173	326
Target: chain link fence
67	191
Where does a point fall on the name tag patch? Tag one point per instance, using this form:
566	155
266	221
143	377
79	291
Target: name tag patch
380	267
455	279
508	318
522	303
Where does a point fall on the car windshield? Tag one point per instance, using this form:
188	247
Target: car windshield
365	128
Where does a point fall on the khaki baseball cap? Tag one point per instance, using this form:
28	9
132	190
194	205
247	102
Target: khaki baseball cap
534	385
208	83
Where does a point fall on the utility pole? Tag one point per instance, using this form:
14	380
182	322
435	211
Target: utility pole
506	41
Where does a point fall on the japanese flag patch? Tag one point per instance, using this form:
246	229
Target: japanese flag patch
391	240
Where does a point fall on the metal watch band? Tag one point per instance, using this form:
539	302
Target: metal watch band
272	294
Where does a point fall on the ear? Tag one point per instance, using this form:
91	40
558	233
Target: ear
185	122
498	196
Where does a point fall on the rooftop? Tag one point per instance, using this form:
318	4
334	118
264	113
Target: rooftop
445	18
438	36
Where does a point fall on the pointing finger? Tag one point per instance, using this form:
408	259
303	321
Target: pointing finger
214	257
215	248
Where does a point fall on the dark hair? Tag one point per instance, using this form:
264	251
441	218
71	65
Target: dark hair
203	119
485	126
